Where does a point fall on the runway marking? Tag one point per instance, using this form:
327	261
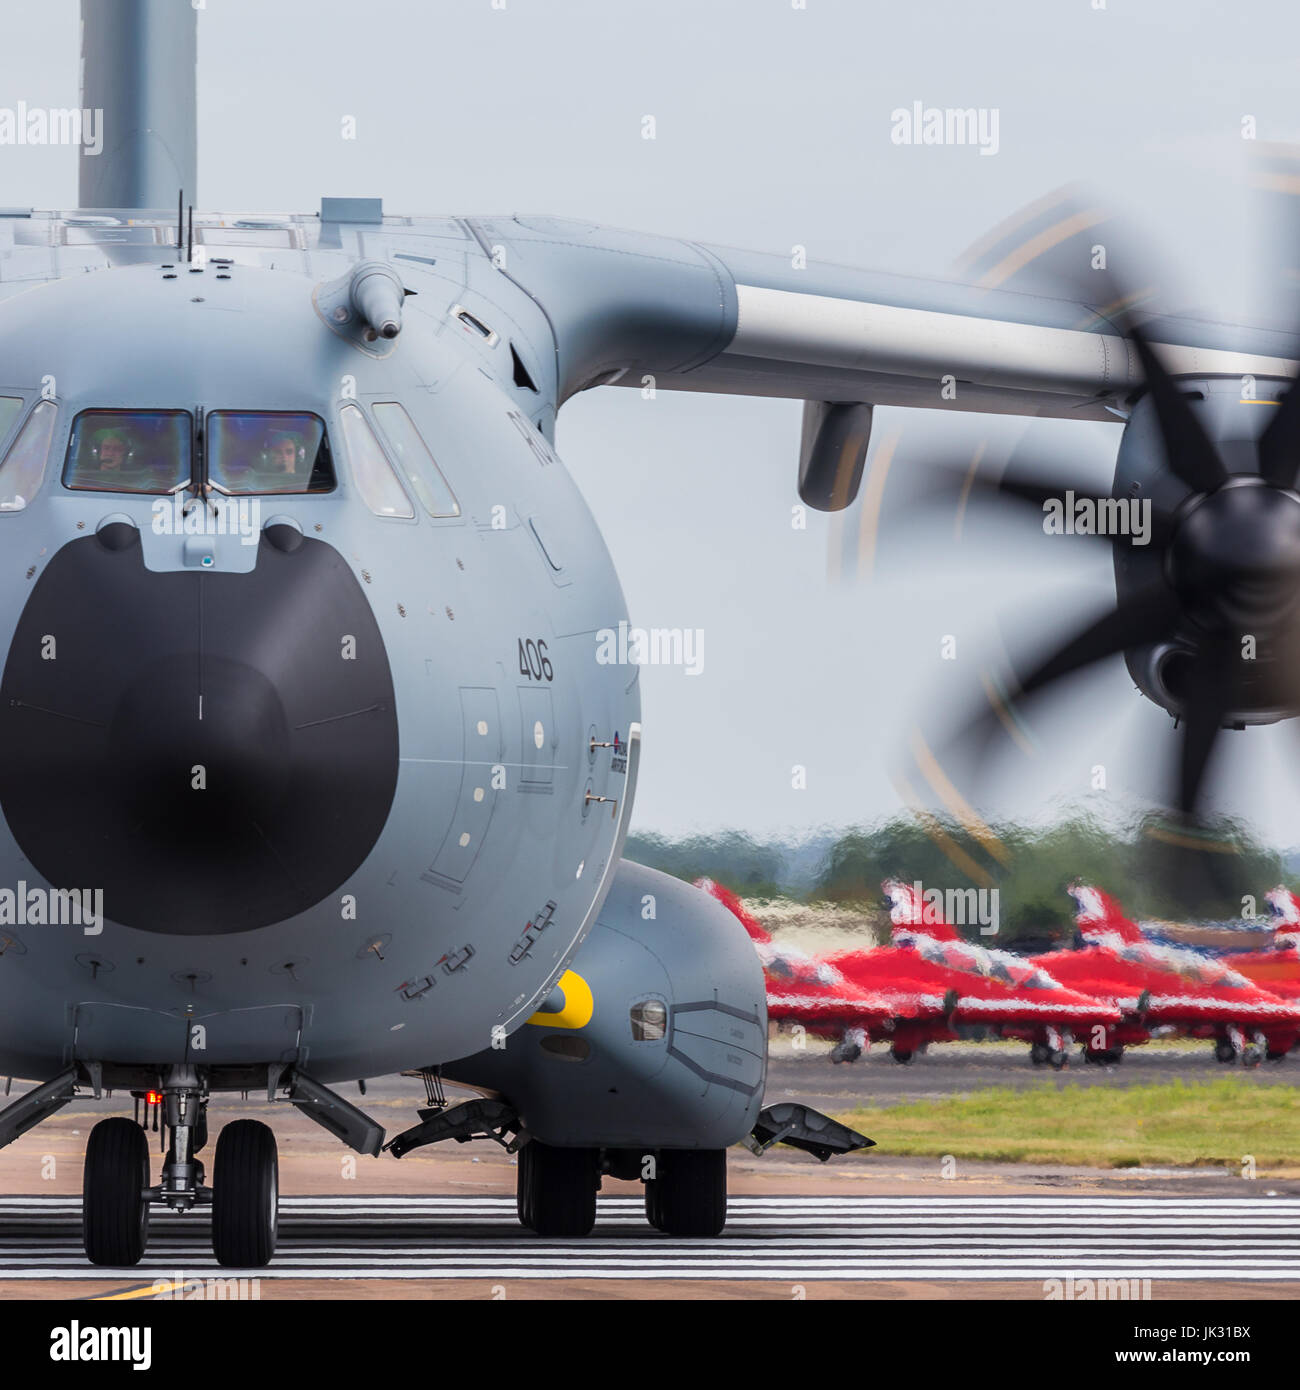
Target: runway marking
792	1239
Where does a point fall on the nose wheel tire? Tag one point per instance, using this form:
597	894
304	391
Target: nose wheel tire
114	1209
245	1195
688	1194
556	1189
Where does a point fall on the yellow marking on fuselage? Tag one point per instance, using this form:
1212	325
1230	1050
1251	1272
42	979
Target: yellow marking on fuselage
578	1004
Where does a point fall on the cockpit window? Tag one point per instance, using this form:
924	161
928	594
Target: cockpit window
24	464
371	470
415	460
130	451
268	451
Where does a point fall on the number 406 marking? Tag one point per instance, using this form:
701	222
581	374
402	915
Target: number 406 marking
533	661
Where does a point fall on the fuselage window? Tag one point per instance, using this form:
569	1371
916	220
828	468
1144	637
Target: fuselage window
415	460
11	407
24	465
130	451
371	471
268	452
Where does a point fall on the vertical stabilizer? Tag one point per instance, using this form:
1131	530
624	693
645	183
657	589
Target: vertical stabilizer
138	68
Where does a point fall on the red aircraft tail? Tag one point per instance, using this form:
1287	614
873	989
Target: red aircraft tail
1286	917
1099	914
730	901
912	913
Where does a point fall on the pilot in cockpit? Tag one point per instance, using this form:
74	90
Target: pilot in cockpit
112	450
282	451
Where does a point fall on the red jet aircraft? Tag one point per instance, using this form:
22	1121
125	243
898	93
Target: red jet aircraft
1155	985
894	994
1030	1003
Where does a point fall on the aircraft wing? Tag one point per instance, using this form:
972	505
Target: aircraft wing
639	311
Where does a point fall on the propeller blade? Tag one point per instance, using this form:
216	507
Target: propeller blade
1038	494
1210	698
1190	455
957	486
1145	617
1279	445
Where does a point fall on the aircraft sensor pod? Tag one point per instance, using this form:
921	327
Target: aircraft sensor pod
364	304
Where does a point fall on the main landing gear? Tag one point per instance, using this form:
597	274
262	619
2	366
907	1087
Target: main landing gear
556	1187
1054	1051
1235	1045
685	1190
850	1047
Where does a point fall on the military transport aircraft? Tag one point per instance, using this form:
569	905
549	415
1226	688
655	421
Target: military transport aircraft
310	765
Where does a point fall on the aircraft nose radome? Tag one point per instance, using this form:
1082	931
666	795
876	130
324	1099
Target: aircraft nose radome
215	751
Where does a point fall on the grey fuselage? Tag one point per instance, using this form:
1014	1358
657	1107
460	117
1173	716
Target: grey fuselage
509	778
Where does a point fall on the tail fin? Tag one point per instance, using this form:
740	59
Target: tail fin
733	904
1099	914
1286	917
138	74
910	913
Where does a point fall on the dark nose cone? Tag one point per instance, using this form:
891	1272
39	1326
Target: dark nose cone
1235	557
215	751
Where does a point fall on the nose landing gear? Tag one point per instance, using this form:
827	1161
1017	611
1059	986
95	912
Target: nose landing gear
116	1195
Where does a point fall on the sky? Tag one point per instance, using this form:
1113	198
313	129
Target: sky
773	124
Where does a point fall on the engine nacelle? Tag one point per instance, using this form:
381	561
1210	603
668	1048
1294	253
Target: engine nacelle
656	1037
1162	670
